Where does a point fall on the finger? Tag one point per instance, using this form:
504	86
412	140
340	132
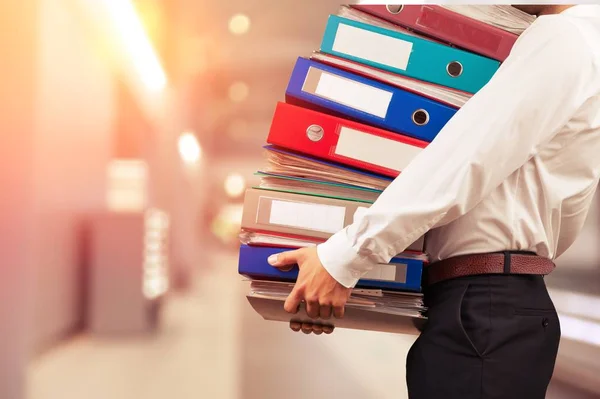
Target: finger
317	329
325	312
292	303
295	326
283	259
307	328
312	309
327	329
338	311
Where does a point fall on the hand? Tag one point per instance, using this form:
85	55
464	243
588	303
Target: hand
308	328
322	294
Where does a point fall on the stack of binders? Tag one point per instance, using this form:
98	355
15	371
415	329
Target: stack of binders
385	81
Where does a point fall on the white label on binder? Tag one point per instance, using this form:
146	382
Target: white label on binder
382	272
372	46
375	150
302	215
353	94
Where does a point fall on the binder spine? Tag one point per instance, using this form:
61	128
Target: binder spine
407	55
253	264
448	26
325	136
332	90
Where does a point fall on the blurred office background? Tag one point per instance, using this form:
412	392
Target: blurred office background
130	130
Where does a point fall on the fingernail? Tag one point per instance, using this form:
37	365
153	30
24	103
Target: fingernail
272	259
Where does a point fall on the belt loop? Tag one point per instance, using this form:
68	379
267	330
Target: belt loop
507	262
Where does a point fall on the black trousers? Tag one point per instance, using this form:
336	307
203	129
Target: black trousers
490	336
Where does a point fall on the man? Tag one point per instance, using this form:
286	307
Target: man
503	189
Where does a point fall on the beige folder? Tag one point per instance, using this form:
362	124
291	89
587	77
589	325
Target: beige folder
354	318
301	215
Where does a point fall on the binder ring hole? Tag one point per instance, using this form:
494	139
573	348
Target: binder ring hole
454	69
394	8
420	117
315	133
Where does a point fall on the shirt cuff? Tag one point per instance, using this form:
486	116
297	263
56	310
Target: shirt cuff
341	261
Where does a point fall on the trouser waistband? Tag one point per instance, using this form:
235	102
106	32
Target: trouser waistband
506	262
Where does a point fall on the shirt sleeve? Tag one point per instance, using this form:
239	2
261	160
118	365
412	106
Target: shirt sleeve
530	98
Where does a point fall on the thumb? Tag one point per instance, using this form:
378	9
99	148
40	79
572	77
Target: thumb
283	259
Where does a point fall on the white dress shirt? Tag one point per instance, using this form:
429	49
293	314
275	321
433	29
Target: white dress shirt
514	169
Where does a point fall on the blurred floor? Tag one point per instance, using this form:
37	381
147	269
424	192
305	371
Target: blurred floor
212	345
192	356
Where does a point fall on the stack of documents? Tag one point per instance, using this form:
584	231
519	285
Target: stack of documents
374	310
384	83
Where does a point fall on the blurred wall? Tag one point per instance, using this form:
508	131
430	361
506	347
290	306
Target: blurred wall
178	189
71	148
17	96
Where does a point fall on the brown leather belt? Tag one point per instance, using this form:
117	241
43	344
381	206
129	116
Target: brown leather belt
489	263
